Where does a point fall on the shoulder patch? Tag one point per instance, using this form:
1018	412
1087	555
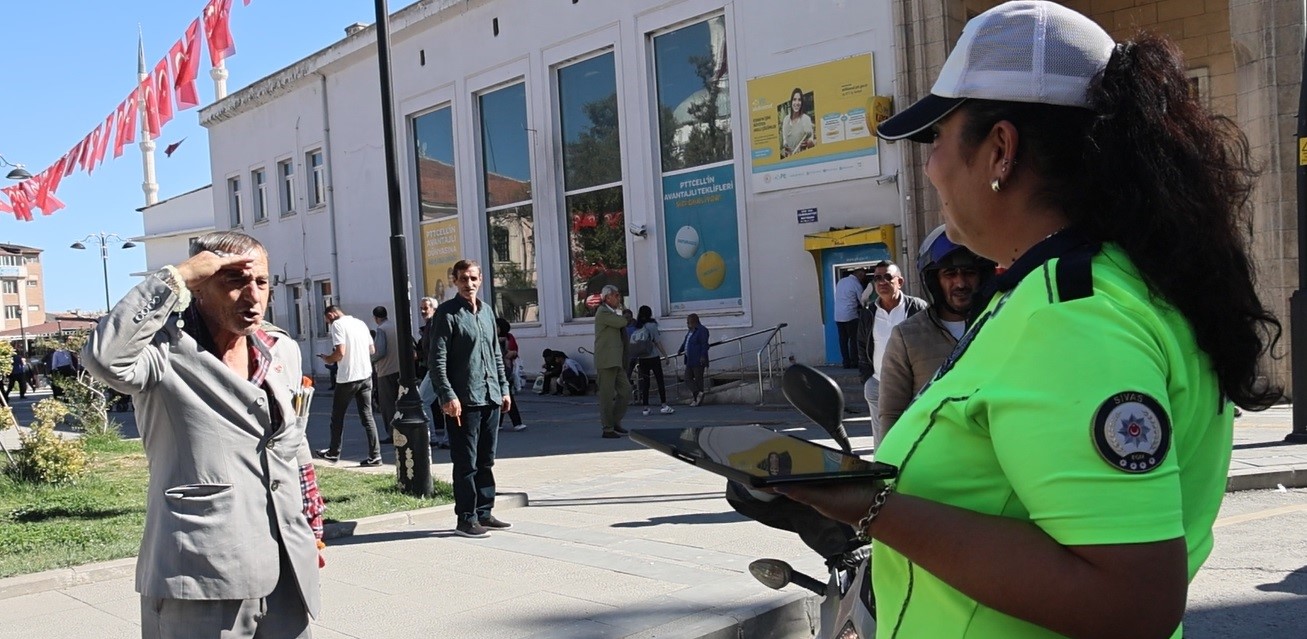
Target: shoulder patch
1075	274
1132	432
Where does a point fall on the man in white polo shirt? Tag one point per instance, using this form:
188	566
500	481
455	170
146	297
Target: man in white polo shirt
881	313
352	351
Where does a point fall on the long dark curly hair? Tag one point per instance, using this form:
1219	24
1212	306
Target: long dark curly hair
1151	169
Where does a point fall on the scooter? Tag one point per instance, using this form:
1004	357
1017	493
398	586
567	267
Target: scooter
848	609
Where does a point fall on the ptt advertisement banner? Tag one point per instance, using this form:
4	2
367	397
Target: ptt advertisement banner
813	125
441	248
702	238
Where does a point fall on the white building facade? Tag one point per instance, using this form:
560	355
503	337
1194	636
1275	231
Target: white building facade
171	225
704	156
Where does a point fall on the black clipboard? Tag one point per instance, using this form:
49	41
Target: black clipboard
760	457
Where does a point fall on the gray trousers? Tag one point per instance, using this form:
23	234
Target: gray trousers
280	615
871	392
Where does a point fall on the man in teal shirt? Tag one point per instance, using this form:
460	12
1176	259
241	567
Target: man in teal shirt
467	371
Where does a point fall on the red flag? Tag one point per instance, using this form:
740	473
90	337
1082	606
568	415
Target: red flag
5	208
185	57
71	157
168	151
88	149
44	191
18	200
101	142
146	89
217	30
126	123
162	80
247	3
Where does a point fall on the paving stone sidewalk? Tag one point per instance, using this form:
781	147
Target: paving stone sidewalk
609	540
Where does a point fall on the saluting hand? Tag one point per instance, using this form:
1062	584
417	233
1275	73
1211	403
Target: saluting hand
206	264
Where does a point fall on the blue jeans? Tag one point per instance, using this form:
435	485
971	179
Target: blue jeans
472	444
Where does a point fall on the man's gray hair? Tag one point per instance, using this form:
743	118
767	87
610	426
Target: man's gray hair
430	300
609	289
226	243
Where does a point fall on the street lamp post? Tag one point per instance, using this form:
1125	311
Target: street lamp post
412	441
104	239
19	173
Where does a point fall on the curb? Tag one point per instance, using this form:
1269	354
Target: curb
1266	478
60	578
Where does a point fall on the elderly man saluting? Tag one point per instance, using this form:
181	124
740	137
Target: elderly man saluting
227	548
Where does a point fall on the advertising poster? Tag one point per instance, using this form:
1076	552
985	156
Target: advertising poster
702	239
441	248
813	125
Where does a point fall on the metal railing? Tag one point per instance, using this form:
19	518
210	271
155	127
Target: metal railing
768	360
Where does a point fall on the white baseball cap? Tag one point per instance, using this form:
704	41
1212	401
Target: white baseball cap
1024	51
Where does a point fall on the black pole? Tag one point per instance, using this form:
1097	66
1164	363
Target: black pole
1298	303
104	261
412	440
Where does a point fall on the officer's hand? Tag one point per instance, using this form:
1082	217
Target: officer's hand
847	501
200	267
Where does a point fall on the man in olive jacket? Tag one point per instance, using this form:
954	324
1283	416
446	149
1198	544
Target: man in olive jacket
610	362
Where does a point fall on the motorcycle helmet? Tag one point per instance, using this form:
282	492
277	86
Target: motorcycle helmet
938	252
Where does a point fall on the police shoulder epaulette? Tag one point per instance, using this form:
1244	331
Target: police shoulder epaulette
1075	273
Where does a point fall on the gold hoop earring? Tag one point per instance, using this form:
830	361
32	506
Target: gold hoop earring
995	185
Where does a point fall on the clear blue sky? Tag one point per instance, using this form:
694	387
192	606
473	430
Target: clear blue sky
68	63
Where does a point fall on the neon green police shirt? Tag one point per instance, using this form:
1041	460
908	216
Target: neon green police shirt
1074	402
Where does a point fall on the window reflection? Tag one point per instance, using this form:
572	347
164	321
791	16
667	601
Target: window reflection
510	219
592	179
587	96
694	100
434	138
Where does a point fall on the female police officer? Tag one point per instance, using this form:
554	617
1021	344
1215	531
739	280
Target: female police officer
1061	473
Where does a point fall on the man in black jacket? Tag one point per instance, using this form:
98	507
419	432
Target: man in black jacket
879	313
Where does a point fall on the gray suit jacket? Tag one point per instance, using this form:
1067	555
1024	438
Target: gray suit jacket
224	480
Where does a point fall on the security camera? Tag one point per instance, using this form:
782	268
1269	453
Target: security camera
637	230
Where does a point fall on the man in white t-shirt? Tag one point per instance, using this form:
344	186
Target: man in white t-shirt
352	350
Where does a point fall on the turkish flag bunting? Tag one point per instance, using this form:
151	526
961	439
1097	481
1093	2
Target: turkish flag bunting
72	157
217	30
162	80
146	89
126	123
46	183
185	57
18	200
5	208
102	133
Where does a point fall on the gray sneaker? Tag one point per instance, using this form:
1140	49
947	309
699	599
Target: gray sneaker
471	529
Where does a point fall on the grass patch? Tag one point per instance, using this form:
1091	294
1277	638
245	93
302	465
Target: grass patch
101	516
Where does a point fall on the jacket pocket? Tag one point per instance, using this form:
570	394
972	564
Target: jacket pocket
196	492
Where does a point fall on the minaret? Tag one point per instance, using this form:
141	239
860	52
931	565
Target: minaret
150	187
219	75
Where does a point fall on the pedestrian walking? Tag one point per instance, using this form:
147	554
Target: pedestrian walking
695	349
385	365
352	351
610	362
649	353
508	349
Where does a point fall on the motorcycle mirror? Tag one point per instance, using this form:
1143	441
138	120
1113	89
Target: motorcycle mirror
773	573
819	398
